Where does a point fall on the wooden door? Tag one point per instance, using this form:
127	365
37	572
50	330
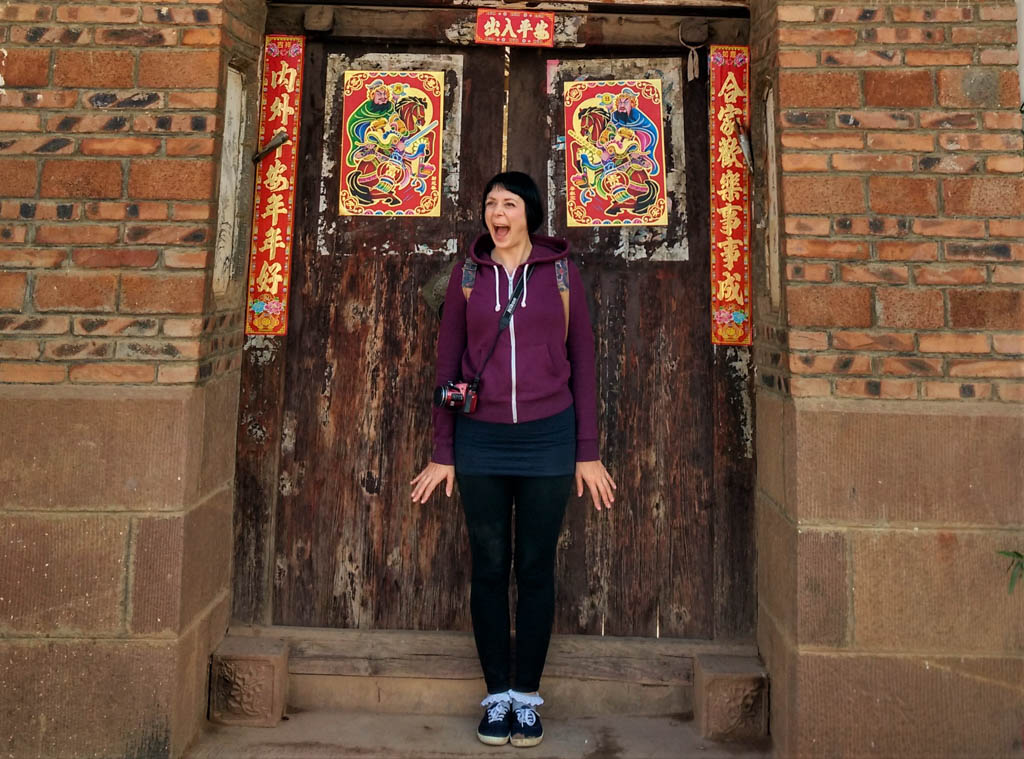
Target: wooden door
349	549
646	568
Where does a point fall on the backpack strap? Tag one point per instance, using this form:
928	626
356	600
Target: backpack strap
562	279
468	276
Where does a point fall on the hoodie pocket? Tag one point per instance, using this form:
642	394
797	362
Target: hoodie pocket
539	374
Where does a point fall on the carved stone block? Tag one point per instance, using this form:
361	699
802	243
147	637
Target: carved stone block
249	682
731	698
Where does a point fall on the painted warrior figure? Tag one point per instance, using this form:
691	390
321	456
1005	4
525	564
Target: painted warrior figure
617	160
386	134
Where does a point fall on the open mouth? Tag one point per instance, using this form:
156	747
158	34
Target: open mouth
500	232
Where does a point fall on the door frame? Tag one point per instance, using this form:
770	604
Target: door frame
261	426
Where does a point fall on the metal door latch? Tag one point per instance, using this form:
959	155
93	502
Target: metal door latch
276	141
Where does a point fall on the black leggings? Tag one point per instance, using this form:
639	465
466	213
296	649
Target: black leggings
539	508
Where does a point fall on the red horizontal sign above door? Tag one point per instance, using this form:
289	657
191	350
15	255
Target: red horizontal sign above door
515	28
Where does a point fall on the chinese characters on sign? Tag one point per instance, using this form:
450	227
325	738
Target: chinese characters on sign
614	153
271	248
730	197
391	144
515	28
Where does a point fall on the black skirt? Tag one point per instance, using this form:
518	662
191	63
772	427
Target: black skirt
541	448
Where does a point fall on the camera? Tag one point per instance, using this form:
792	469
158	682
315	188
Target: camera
458	396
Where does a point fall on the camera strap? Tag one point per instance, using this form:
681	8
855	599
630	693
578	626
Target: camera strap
506	315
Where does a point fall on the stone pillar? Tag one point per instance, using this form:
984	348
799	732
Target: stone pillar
889	406
119	363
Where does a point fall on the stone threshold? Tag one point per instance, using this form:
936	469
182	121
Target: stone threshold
262	673
329	734
452	655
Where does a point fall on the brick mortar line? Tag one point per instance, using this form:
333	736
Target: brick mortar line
45	639
901	153
982	288
109	316
872	353
139	23
874	152
908	284
227	484
129	577
928	528
816	649
7	636
910	237
896	527
886	21
851	616
835	394
819	650
893	47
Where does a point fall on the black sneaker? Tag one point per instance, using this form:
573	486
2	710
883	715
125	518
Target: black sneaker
496	724
526	727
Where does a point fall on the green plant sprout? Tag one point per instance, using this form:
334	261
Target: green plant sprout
1016	568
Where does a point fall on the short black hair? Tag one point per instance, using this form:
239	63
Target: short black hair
522	185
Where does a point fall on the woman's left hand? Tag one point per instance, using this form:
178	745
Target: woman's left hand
599	483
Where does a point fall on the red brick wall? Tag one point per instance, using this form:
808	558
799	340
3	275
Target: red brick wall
109	143
890	378
901	160
116	505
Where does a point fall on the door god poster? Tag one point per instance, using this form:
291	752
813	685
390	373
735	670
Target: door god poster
615	153
391	144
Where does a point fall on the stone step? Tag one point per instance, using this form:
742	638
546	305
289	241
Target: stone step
399	671
326	734
410	673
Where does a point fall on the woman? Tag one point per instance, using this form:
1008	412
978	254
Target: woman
534	428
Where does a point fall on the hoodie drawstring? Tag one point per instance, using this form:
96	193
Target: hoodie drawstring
497	298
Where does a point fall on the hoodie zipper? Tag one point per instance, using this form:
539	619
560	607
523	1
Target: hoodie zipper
512	341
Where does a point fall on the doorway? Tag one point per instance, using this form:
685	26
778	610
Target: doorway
342	404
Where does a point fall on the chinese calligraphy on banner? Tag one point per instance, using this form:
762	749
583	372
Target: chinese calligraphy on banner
730	197
271	249
391	144
615	153
515	28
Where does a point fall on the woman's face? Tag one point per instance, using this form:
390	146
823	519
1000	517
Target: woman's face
505	218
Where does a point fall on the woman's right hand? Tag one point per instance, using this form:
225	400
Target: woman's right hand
423	484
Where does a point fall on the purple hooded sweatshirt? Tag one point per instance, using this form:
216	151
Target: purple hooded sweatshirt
536	371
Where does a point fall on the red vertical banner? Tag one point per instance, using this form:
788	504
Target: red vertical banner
730	196
273	215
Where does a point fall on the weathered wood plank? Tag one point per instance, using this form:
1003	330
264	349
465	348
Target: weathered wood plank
353	550
256	467
582	559
690	572
656	31
456	26
735	598
452	655
290	550
645	566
